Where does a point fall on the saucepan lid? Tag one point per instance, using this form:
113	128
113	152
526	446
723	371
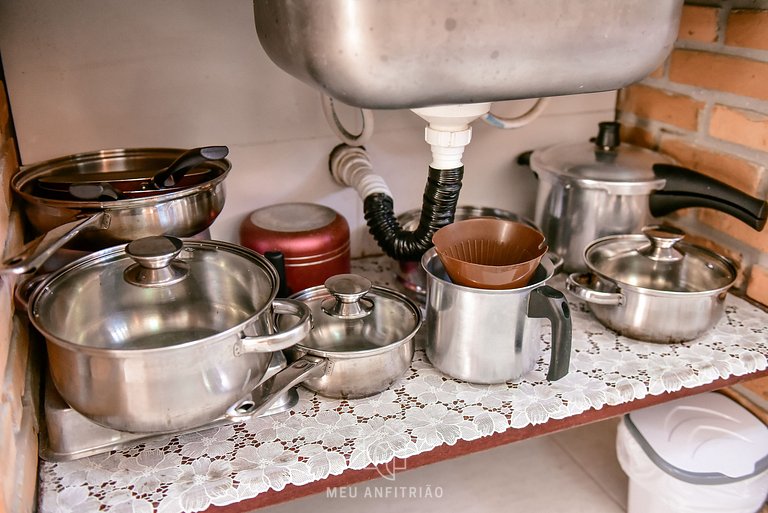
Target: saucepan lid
351	316
659	260
152	293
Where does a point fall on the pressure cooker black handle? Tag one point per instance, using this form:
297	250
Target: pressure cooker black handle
549	303
686	188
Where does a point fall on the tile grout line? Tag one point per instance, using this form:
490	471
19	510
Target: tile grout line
591	477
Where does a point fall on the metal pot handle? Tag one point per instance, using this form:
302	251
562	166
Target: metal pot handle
35	253
282	339
578	284
24	290
549	303
264	395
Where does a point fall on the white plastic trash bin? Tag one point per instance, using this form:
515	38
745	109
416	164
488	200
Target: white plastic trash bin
698	454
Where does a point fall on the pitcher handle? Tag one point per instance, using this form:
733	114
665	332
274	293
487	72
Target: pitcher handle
549	303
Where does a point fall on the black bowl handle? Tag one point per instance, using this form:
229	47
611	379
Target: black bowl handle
686	188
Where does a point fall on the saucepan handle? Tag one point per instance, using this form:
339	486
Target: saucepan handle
38	251
282	339
264	395
580	285
25	289
549	303
686	188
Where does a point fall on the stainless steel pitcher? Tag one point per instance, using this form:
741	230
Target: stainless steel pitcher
493	336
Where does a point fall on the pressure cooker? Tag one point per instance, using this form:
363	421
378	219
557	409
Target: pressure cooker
596	189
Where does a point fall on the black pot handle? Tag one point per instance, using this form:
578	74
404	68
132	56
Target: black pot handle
686	188
549	303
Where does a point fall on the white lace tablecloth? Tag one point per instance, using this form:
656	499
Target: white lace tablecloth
322	437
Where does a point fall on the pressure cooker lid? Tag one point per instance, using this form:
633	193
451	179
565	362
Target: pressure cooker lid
659	260
154	292
605	163
350	315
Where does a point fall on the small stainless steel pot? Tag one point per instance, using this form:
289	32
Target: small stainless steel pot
360	344
591	190
653	286
162	334
494	336
94	225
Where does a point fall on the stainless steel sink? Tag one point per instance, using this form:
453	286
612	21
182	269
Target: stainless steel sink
390	54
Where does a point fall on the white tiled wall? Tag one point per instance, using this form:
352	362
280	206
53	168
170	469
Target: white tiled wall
97	74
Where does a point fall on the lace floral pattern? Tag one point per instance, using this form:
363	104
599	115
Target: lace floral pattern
321	437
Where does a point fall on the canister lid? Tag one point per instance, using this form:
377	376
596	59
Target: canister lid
349	314
293	217
659	260
304	232
706	439
606	164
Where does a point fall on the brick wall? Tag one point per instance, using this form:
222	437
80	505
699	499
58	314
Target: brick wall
19	362
707	106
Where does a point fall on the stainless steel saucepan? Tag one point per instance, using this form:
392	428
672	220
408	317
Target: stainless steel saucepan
361	342
96	224
653	286
163	334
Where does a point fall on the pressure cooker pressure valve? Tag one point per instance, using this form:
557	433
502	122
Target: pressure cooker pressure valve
608	135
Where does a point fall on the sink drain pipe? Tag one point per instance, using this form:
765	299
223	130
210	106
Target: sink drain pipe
448	132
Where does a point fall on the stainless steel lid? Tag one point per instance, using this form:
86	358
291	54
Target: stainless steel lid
658	260
606	164
153	293
350	315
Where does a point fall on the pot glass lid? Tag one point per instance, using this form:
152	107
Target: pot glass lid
659	260
605	160
350	315
154	292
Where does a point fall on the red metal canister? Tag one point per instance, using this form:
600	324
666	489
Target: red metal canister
314	240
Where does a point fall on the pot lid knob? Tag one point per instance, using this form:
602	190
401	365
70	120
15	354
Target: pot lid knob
156	263
663	240
348	301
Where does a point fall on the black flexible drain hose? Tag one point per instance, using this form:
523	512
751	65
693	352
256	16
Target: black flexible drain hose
441	195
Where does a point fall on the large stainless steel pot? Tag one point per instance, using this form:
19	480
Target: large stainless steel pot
653	286
591	190
94	225
162	334
494	336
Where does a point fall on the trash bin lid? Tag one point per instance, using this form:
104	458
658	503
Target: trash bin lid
703	439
